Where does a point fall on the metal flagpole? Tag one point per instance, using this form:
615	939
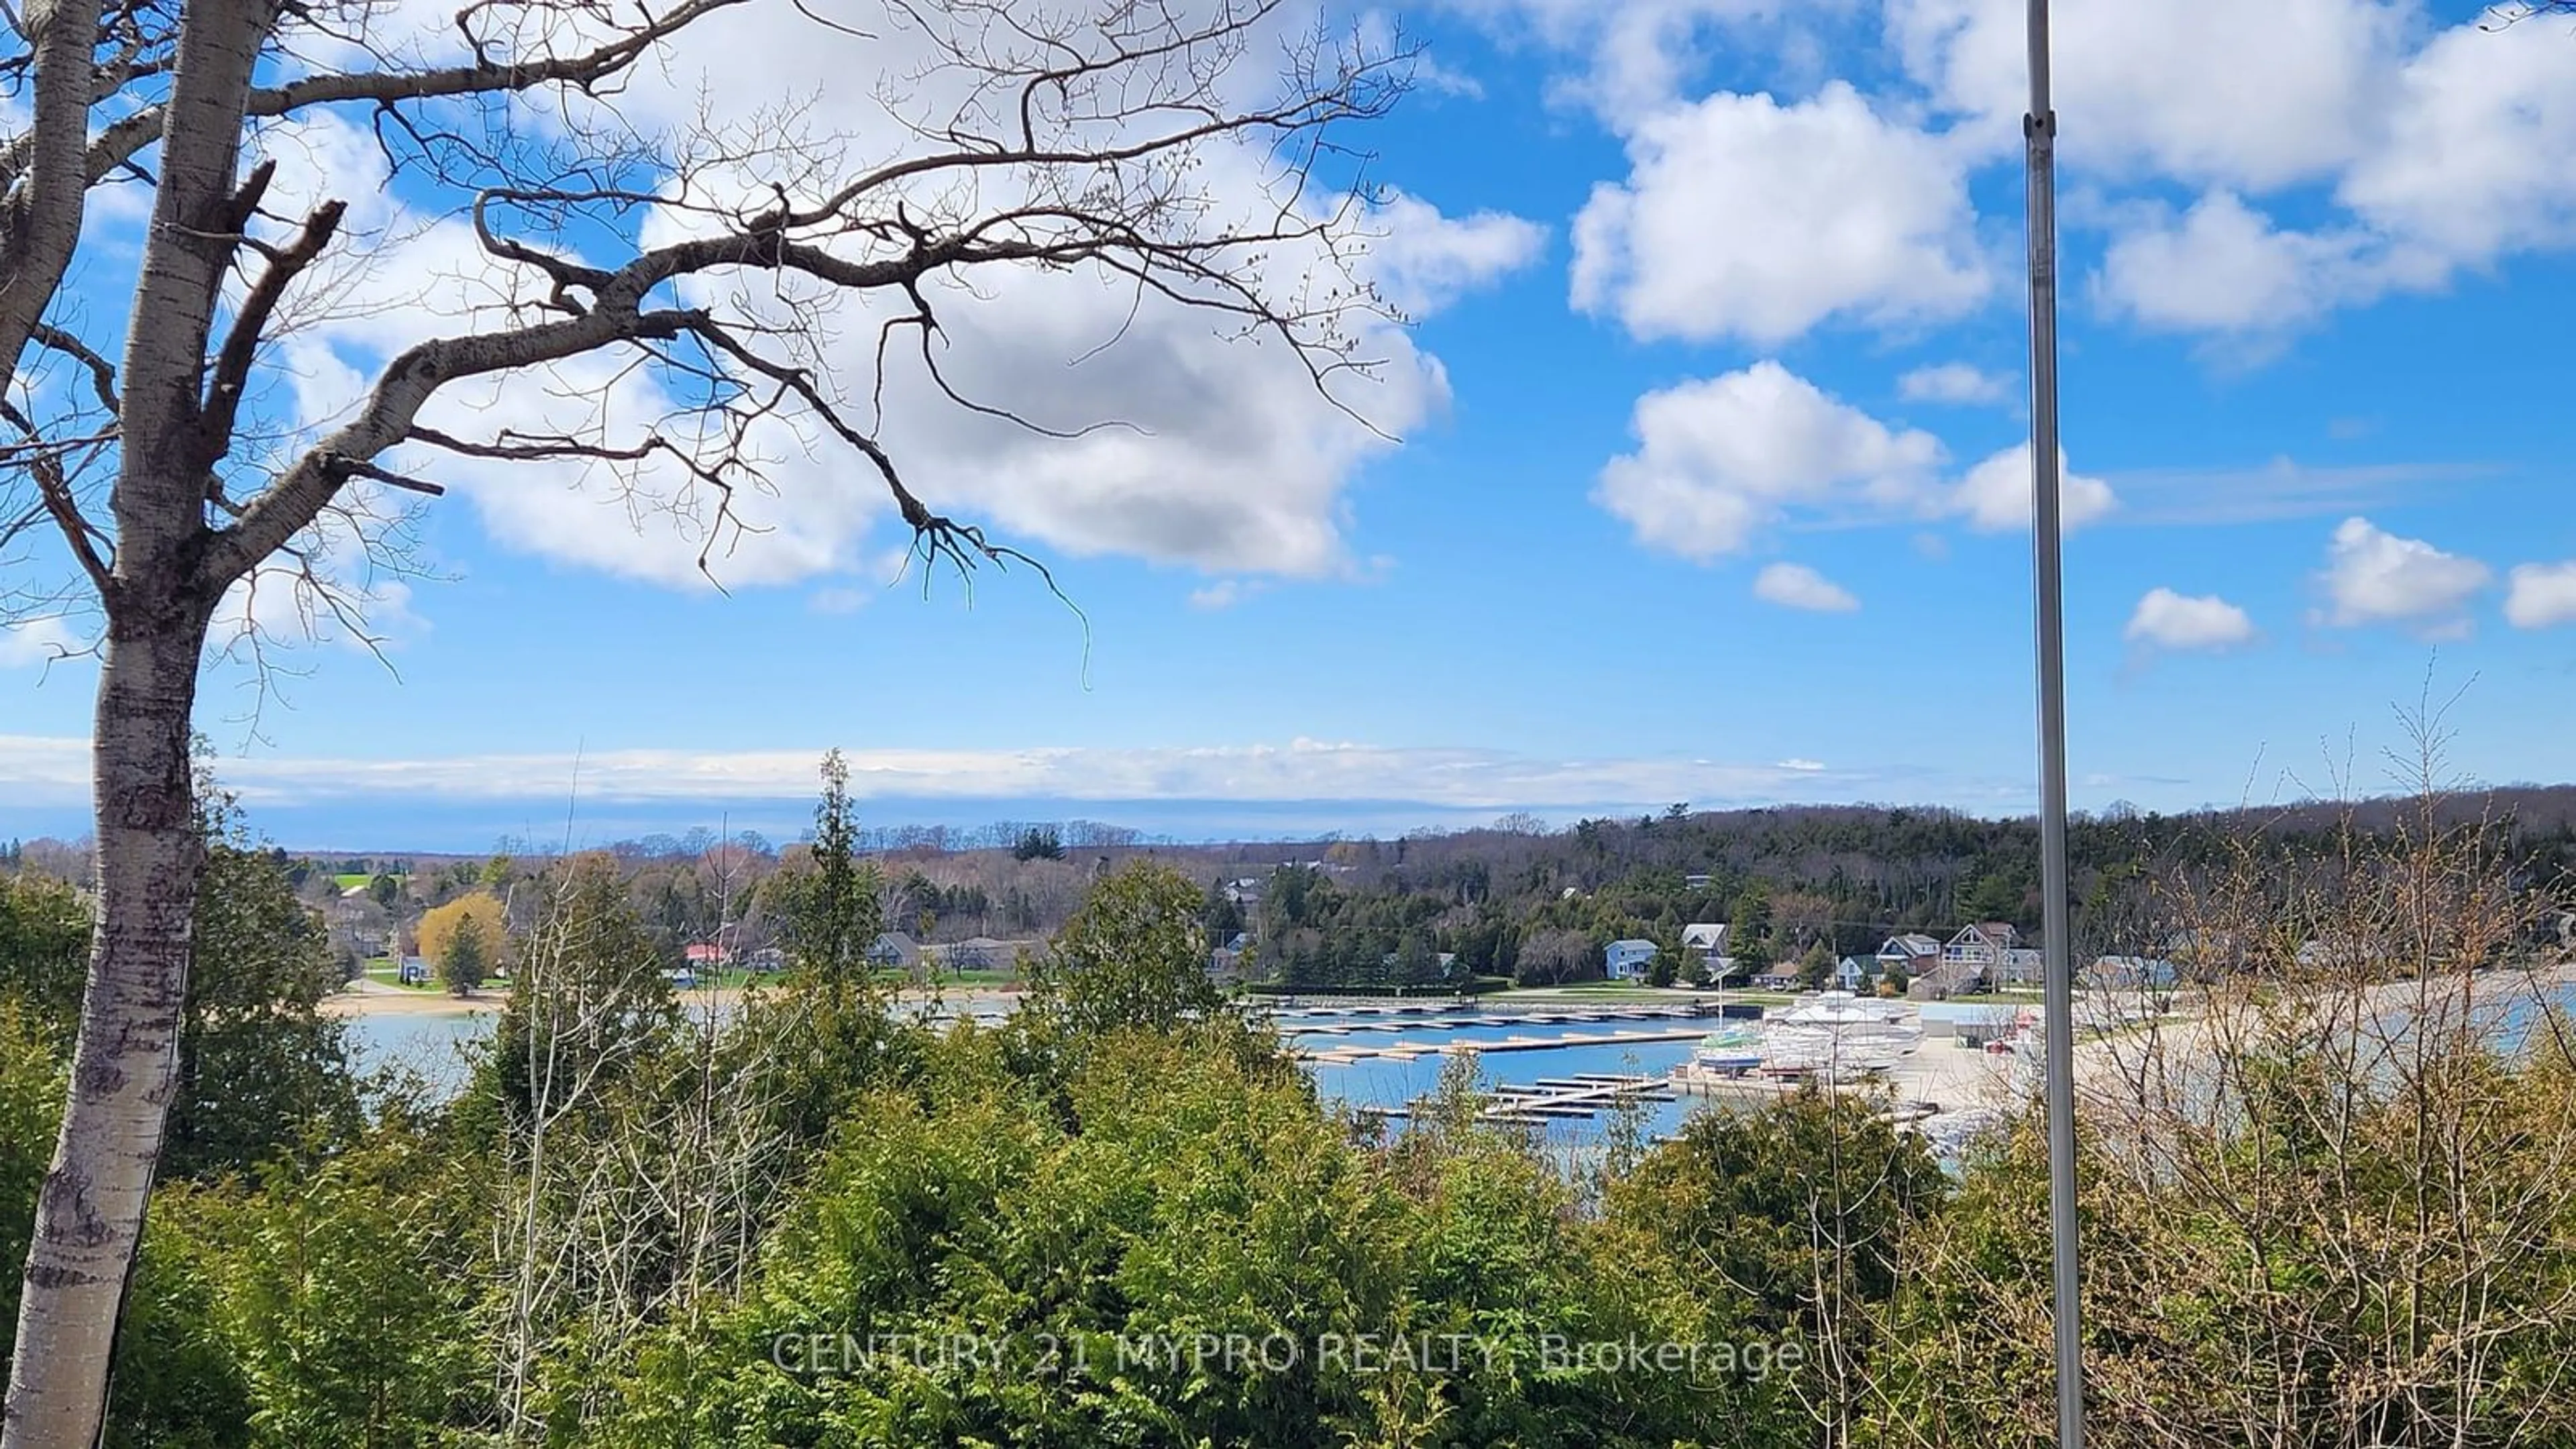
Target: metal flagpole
2039	129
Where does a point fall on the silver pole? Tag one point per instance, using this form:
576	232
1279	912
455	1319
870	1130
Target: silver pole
2039	129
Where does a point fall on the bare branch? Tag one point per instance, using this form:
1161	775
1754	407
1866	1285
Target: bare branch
102	373
241	344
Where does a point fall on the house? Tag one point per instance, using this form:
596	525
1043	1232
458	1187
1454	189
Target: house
1628	960
982	953
2130	973
703	954
1778	978
2021	967
1697	882
894	949
1851	975
1700	942
1982	944
1914	954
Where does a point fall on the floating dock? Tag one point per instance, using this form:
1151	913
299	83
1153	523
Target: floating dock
1554	1099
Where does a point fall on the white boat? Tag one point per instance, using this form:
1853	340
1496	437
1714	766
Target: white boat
1839	1037
1731	1050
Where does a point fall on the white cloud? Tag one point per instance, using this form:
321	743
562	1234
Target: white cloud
1721	458
42	769
2474	160
1425	261
2168	620
2224	267
2206	90
1995	496
1796	586
1742	217
1954	382
2541	595
1217	452
1636	55
2375	577
1226	593
2459	164
37	641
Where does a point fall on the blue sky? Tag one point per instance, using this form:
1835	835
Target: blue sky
1704	490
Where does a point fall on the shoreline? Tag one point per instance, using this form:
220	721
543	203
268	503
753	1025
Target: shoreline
365	998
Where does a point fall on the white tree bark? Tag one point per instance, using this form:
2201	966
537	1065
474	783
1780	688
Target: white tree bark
40	224
159	600
89	1216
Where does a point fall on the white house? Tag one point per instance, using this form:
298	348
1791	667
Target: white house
2130	973
1982	944
1704	939
1627	960
2022	967
1851	975
1912	954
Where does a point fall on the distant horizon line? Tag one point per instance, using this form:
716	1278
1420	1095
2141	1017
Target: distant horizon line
986	833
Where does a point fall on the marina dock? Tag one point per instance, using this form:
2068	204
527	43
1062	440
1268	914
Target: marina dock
1552	1099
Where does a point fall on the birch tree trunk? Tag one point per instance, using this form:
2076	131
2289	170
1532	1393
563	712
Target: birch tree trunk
89	1216
159	602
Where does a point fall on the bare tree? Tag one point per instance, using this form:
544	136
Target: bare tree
704	256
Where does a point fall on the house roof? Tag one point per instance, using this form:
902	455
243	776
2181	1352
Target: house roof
1704	936
1912	943
1632	944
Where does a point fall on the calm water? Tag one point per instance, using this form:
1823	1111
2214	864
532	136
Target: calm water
434	1046
1385	1082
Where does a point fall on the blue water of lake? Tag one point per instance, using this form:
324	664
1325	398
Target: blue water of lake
434	1047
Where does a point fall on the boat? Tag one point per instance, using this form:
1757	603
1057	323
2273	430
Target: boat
1730	1050
1838	1037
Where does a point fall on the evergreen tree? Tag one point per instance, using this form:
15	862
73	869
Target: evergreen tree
462	966
1816	968
1749	937
832	916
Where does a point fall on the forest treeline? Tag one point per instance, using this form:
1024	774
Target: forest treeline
1516	901
1123	1216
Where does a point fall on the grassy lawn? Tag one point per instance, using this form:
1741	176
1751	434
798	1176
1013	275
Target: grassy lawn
383	969
345	879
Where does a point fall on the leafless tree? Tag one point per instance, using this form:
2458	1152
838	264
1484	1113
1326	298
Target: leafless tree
2326	1205
146	439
